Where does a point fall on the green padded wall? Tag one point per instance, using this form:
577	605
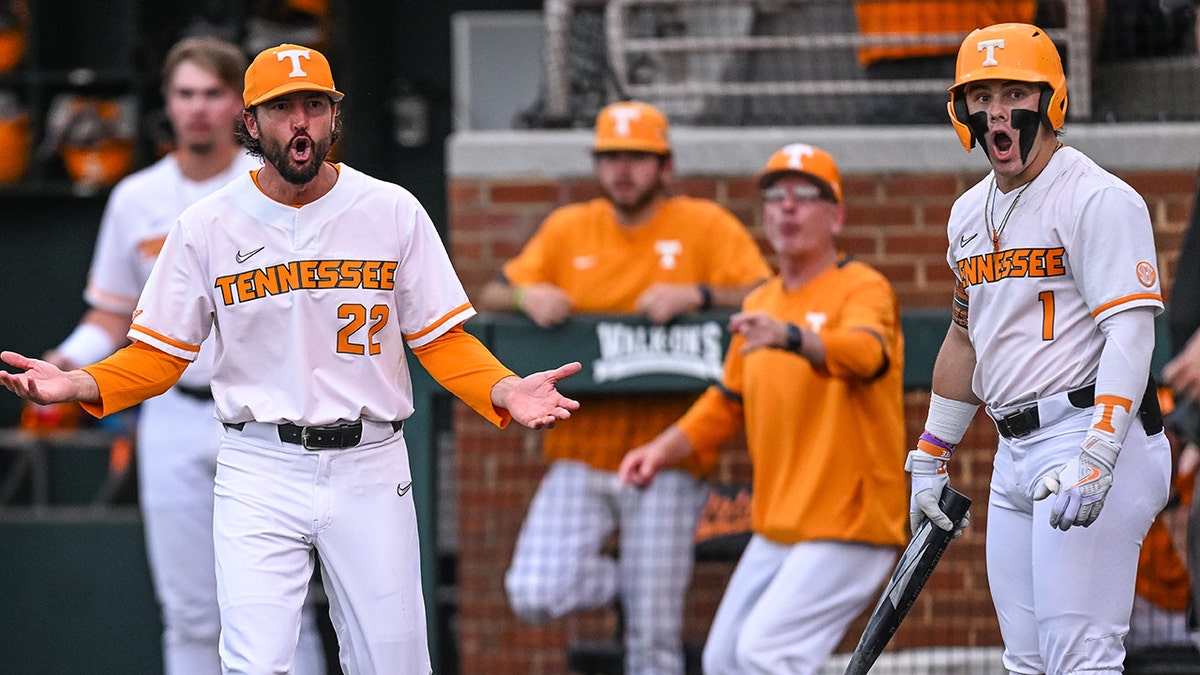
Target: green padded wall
75	594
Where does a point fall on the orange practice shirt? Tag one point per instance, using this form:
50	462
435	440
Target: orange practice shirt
604	266
826	444
958	17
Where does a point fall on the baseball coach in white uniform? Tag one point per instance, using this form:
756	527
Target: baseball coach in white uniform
311	278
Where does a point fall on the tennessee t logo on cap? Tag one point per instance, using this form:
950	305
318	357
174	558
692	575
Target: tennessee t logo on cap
631	126
285	69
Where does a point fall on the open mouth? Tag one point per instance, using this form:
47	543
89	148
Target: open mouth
301	149
1003	144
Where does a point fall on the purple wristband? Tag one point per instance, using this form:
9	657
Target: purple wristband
938	443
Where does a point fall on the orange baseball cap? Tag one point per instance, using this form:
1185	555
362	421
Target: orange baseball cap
287	68
631	126
809	161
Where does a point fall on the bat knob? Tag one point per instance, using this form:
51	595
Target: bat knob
1051	484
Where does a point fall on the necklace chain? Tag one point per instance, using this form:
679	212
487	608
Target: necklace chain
989	217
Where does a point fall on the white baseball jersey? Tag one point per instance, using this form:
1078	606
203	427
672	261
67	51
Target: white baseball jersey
313	305
139	213
1041	266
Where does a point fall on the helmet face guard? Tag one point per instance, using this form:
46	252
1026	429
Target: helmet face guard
1009	51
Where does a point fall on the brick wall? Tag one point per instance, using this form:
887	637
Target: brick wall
894	222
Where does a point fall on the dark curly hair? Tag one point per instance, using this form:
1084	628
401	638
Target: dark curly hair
254	147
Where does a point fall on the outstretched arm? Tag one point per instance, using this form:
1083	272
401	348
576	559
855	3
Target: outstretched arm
465	367
642	463
534	401
42	382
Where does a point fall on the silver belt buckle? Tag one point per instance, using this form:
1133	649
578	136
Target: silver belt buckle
304	438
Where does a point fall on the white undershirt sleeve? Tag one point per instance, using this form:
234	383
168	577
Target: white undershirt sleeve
1124	367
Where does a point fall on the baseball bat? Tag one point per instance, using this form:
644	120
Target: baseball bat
909	577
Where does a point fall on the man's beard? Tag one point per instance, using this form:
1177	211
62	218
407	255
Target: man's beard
639	201
278	157
202	147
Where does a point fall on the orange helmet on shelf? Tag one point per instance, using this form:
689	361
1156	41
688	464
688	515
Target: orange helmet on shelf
1009	51
12	48
101	164
14	137
93	136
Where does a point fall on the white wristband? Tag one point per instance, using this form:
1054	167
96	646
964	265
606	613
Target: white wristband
87	344
948	419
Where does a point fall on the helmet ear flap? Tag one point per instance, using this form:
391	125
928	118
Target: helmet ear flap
957	107
1044	106
1055	107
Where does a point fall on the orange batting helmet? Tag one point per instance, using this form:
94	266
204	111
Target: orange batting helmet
1009	51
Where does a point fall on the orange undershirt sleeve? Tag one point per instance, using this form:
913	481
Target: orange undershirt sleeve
461	364
713	419
856	352
132	375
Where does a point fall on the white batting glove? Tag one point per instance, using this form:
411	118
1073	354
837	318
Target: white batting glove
1081	484
927	464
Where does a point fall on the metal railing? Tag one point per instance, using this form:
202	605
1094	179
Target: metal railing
678	80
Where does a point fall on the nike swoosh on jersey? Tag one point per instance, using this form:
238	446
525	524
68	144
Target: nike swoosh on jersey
1094	475
964	240
241	258
583	262
403	488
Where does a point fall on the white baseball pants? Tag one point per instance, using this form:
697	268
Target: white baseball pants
787	606
278	503
1064	598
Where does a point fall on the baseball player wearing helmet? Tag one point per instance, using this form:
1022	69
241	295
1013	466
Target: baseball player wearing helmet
813	371
177	435
634	250
311	277
1053	331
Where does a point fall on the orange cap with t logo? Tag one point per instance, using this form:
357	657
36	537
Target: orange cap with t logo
631	126
287	68
808	160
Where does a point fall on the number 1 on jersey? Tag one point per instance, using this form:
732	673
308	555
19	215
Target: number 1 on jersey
1047	300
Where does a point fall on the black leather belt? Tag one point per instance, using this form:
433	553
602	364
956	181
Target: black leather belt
198	393
333	436
1025	421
